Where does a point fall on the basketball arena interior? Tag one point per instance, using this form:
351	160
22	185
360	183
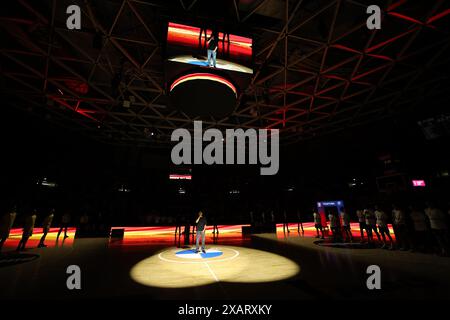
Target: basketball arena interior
195	151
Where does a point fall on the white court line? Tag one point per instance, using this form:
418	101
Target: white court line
212	272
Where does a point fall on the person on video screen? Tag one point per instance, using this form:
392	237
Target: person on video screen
212	50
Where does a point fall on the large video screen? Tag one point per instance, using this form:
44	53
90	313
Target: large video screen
209	48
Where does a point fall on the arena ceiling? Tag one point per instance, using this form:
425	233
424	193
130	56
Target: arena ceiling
317	68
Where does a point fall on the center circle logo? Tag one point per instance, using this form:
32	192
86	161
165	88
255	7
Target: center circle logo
191	254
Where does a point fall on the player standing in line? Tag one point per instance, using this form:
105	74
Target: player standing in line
318	224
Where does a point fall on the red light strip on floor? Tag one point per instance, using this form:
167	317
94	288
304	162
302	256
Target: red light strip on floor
204	76
179	34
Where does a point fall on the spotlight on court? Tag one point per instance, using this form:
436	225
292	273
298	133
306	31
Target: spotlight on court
179	268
